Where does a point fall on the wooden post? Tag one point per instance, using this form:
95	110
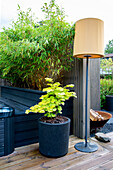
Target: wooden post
77	76
79	103
95	83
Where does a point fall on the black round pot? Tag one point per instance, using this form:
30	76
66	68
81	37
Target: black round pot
54	138
109	102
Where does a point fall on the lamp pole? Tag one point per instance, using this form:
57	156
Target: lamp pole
86	101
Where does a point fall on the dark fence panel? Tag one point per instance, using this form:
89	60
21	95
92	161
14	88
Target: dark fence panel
26	126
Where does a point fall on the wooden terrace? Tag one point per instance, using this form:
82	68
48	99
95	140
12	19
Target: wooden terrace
28	157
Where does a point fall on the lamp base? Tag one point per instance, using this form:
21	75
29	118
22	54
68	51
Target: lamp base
91	147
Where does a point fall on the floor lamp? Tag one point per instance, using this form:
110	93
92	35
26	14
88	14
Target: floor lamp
88	43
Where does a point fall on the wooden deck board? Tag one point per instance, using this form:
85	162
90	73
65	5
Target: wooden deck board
29	157
106	165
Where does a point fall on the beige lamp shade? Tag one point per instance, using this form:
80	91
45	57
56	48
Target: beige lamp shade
89	38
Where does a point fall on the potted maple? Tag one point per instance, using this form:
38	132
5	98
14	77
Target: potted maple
53	128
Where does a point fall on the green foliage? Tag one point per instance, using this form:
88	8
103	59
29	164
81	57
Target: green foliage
108	77
51	102
106	88
109	47
31	51
106	64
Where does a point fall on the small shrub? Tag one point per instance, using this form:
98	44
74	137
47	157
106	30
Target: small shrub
106	88
51	103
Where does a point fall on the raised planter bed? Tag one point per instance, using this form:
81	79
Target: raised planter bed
26	126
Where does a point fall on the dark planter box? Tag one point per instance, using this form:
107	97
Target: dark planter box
109	102
6	131
54	138
26	126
